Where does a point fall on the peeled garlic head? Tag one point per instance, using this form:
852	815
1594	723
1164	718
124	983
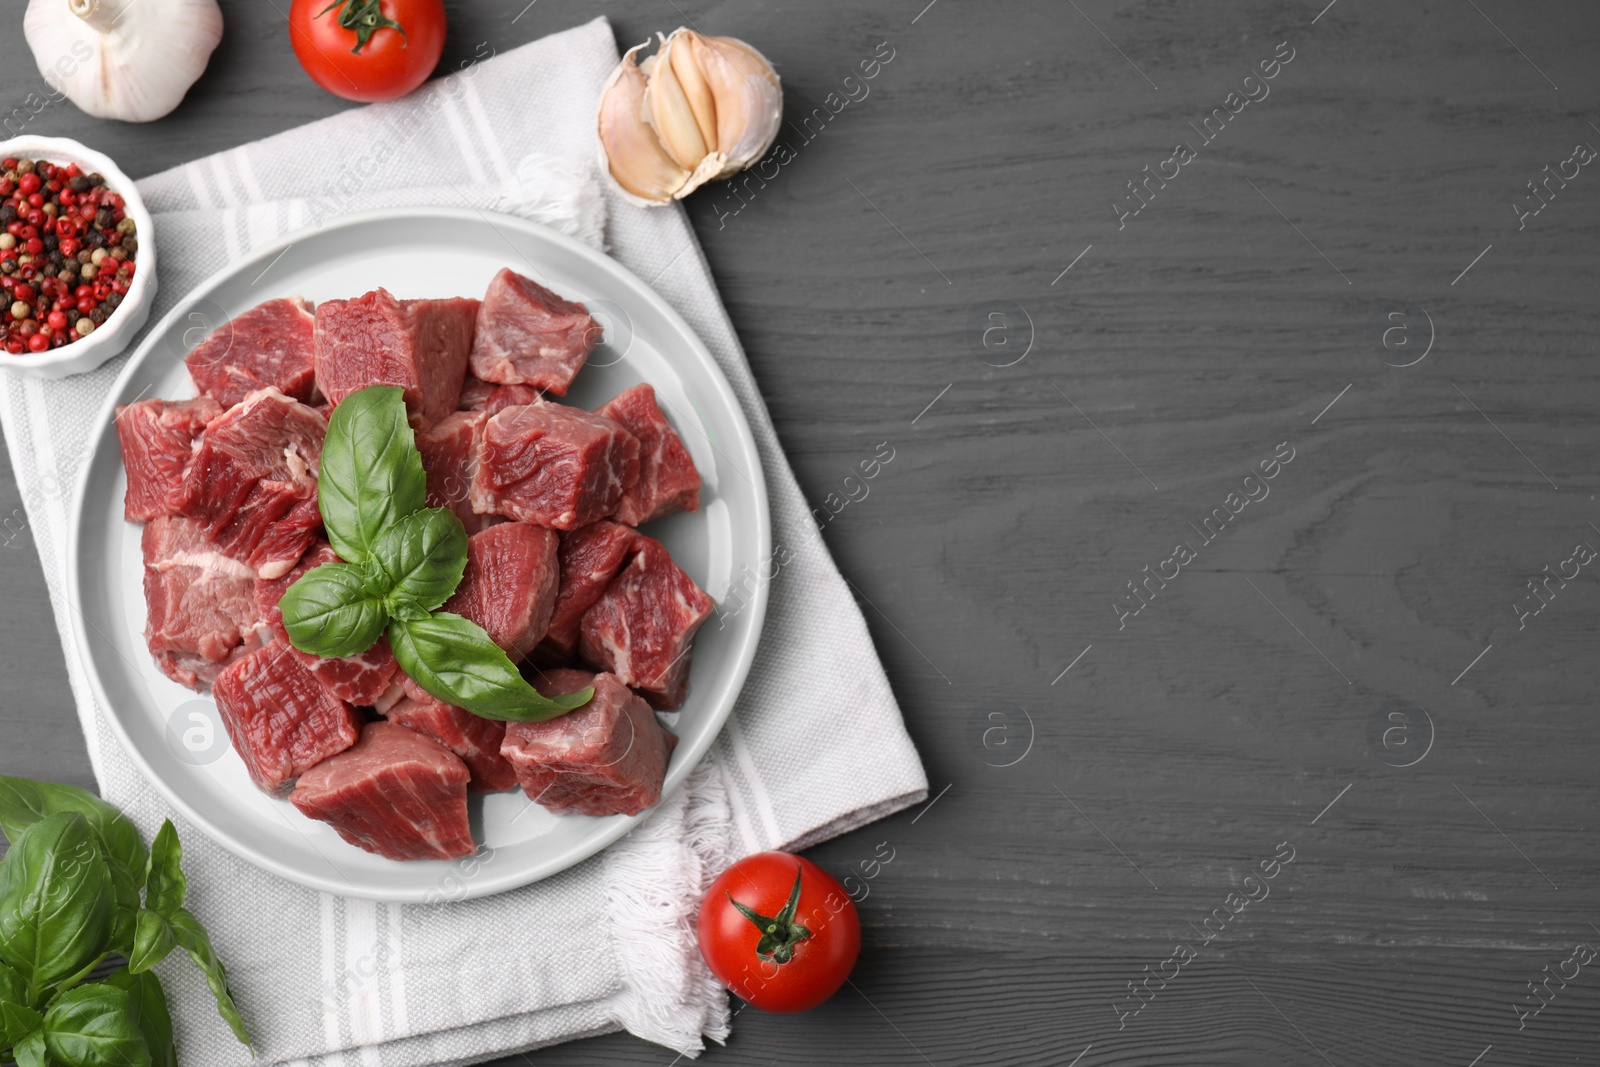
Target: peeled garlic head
123	59
700	108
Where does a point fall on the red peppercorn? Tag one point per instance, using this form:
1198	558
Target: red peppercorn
58	320
35	246
16	348
38	343
28	183
86	304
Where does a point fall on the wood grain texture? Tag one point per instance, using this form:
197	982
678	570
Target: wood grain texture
1176	353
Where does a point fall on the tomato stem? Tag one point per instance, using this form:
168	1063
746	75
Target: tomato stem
365	17
779	933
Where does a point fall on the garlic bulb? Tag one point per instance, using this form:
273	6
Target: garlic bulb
123	59
701	108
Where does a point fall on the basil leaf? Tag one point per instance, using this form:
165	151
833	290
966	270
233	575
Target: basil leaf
56	902
17	1022
13	989
329	611
371	473
24	802
150	1012
195	941
165	886
95	1026
424	555
455	661
153	941
30	1052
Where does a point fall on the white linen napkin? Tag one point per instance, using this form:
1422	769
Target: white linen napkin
608	944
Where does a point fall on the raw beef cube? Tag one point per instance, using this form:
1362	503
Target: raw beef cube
512	396
607	758
528	335
269	345
667	481
509	586
157	439
420	345
449	457
253	481
589	559
359	679
474	394
474	739
642	627
395	792
202	611
282	721
553	466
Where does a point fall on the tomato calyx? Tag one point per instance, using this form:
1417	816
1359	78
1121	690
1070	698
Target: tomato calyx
779	933
365	17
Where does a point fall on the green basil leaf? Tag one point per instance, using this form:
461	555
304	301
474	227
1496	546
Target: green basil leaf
150	1012
24	802
13	988
165	886
195	941
153	940
17	1022
56	902
30	1052
424	555
371	473
455	661
329	611
95	1026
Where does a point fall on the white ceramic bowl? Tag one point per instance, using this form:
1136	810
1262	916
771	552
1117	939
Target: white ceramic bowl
114	335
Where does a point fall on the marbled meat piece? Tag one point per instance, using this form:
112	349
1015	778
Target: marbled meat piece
527	335
667	481
474	393
474	739
509	585
609	757
449	458
202	612
553	466
394	792
590	557
642	628
253	481
269	345
157	438
282	721
420	345
359	679
512	396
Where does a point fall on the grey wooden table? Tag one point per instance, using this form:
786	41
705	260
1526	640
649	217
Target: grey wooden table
1093	300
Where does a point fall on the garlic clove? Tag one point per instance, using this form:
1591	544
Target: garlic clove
633	154
748	96
679	51
668	111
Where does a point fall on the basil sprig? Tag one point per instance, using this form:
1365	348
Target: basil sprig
401	562
77	886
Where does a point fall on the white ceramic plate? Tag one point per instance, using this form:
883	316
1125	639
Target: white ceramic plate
175	735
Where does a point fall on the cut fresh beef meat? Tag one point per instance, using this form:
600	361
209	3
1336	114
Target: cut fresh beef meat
359	679
282	721
474	394
589	558
420	345
528	335
511	396
157	439
509	586
553	466
202	610
253	481
667	481
269	345
395	792
642	627
449	457
474	739
607	758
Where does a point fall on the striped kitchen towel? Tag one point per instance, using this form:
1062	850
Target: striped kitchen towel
608	944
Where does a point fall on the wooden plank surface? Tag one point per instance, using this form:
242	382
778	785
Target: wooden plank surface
1114	777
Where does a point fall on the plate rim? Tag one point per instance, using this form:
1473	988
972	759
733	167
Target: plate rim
603	837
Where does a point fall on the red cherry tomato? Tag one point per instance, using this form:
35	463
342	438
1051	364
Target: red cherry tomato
368	50
779	931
